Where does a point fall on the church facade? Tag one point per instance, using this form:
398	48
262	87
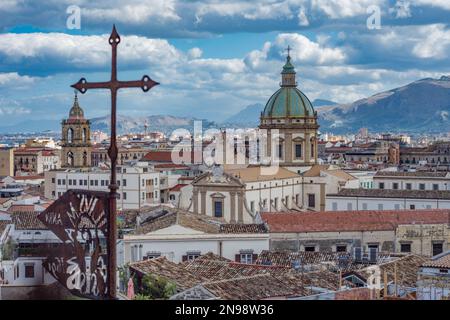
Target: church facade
290	117
76	139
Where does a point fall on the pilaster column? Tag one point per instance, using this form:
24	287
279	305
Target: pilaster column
195	199
203	199
241	207
233	207
288	147
307	148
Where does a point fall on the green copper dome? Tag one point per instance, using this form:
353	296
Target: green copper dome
288	101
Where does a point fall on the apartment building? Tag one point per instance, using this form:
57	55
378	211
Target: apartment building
139	184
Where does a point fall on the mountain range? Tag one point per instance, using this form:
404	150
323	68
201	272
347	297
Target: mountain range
419	107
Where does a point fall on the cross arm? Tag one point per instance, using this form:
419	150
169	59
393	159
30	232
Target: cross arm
146	83
82	85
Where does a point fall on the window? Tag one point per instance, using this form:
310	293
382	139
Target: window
96	182
29	270
103	183
341	248
312	149
421	186
381	185
334	206
437	248
192	255
276	203
124	182
124	196
252	206
296	198
349	206
412	207
59	182
395	186
364	206
53	180
310	248
380	206
396	206
280	151
311	200
408	186
372	246
218	209
92	182
298	150
81	182
246	258
405	247
435	186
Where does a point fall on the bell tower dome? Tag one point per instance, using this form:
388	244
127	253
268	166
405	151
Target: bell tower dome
76	139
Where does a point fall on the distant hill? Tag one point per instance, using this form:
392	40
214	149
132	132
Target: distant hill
30	126
421	106
249	116
322	102
162	123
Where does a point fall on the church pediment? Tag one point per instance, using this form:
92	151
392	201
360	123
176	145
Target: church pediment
222	179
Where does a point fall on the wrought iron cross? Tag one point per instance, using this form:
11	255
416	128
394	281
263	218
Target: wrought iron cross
288	49
146	83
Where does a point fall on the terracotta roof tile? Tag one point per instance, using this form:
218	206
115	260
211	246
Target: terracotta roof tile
368	220
390	193
441	261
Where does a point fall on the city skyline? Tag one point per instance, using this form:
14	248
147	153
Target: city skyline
213	59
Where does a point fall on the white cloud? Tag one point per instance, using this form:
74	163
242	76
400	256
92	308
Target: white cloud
302	17
13	79
250	10
435	42
195	53
305	50
401	9
134	12
336	9
84	51
444	4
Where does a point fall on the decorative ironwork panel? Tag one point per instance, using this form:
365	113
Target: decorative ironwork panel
79	218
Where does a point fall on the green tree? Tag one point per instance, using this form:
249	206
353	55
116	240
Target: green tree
8	249
155	287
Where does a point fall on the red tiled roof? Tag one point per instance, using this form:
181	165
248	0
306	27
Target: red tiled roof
177	187
441	261
170	166
21	208
28	177
368	220
166	156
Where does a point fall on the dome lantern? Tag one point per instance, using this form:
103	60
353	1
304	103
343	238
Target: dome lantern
76	112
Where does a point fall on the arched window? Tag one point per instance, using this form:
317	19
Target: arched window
70	159
84	135
85	159
70	135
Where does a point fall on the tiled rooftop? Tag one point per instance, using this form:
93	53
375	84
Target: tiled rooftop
338	221
403	269
161	218
441	261
27	221
440	174
231	280
390	193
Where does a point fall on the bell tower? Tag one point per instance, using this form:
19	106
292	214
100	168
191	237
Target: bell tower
76	139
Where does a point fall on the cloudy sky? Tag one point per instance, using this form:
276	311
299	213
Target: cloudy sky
213	57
